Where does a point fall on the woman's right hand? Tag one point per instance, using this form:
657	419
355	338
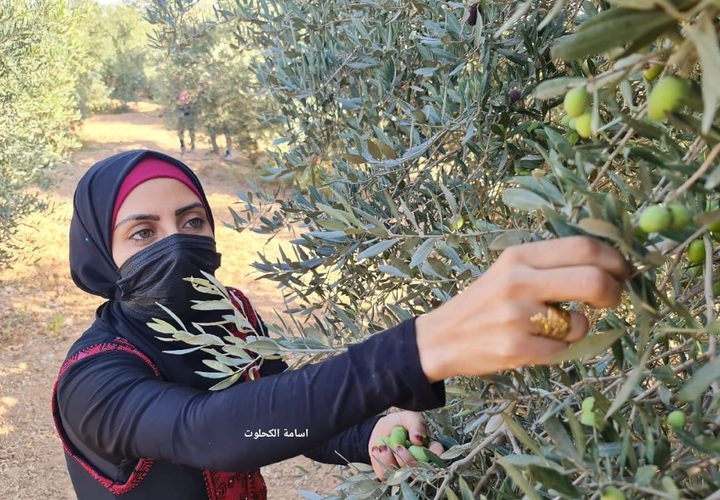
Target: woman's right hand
487	327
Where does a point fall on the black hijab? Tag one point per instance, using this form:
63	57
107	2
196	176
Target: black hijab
153	272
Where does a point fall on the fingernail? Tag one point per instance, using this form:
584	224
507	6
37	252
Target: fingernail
398	448
383	448
420	437
374	449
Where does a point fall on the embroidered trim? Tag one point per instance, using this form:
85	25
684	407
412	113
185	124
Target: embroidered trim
142	468
236	296
235	485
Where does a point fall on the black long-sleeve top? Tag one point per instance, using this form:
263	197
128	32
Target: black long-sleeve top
113	411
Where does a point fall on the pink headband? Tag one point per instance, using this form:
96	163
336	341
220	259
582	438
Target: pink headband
151	168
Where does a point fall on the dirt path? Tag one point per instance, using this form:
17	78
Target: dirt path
42	312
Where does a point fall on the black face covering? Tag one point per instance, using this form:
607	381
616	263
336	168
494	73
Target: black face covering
154	274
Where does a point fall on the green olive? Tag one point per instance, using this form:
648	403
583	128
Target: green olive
383	440
419	453
714	227
696	252
583	125
587	416
398	436
652	72
667	96
576	100
681	216
676	419
612	493
457	221
655	219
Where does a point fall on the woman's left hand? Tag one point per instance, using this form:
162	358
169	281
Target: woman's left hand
384	458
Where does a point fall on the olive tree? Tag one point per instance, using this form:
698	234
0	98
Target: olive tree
39	106
446	132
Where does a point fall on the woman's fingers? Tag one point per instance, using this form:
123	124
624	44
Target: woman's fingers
588	284
383	461
415	425
398	457
568	252
579	326
541	349
436	448
487	327
402	456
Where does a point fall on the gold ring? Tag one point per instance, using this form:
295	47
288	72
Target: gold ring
554	325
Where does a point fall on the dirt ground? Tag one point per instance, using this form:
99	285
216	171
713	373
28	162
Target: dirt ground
42	311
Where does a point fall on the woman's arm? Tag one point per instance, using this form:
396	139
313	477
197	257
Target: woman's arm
115	405
350	445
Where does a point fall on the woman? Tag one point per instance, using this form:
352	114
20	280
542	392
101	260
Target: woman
137	423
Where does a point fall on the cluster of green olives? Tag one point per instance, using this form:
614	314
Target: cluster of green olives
399	437
576	103
668	95
675	419
657	218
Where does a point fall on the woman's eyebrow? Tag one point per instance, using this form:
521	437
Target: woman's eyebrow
189	207
179	211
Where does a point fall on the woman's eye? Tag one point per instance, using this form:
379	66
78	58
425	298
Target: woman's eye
196	223
143	234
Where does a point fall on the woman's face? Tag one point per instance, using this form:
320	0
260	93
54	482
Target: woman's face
154	210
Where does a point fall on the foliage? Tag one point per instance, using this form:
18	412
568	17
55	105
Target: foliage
59	61
38	71
200	57
117	59
438	128
93	94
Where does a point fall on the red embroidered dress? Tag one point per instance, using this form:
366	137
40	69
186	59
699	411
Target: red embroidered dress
217	485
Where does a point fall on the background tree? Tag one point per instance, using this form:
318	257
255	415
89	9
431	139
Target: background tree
59	61
231	103
118	61
39	107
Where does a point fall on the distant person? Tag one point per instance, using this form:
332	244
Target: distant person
186	118
213	133
139	423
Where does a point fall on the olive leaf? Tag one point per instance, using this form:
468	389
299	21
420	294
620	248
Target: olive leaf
377	249
548	89
705	39
701	379
610	29
523	199
589	346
